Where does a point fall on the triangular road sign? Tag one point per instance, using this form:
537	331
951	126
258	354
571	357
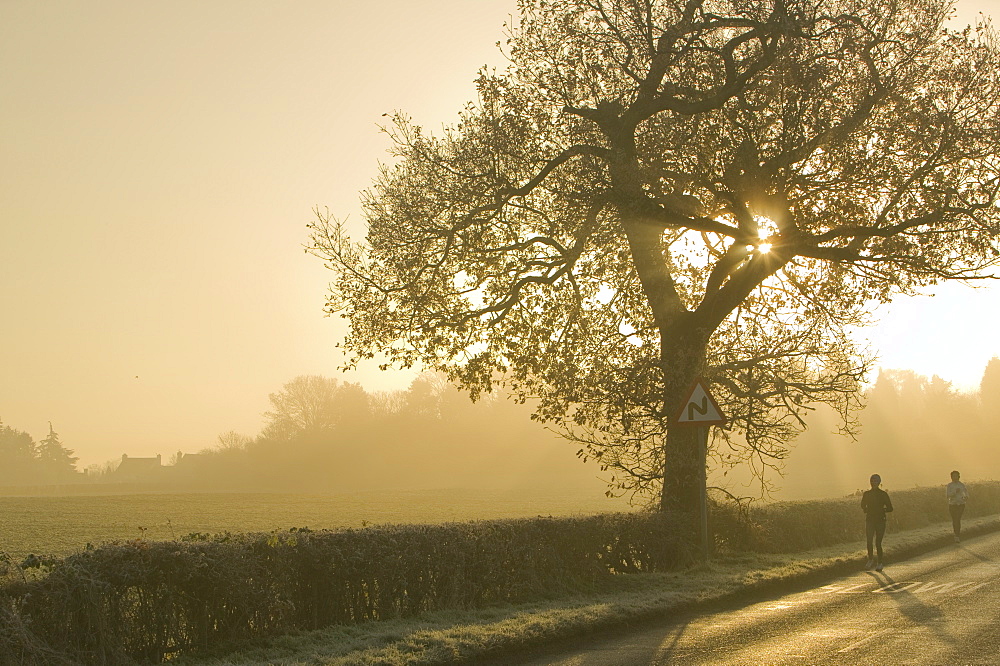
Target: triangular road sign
700	408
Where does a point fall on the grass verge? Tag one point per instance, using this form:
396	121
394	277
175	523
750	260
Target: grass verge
481	635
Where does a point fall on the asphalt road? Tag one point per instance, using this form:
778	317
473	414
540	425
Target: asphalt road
939	608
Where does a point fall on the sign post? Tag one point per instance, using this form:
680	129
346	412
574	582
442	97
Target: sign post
700	409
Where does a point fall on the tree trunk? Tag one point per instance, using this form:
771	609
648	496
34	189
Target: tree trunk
683	471
683	360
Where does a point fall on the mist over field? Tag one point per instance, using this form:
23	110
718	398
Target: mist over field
327	436
914	431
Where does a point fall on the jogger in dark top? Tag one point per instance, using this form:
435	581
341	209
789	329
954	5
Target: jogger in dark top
875	503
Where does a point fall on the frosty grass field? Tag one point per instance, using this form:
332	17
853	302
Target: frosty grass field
62	525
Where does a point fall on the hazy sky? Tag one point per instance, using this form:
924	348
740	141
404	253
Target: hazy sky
158	166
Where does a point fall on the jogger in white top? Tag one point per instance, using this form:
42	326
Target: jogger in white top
957	495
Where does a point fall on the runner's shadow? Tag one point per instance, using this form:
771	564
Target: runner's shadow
981	558
910	605
668	647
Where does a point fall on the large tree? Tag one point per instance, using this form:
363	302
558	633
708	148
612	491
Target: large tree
311	404
657	190
54	460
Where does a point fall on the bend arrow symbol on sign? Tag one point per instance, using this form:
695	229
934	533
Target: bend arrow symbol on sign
702	409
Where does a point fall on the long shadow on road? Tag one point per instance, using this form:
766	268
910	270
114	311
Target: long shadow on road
910	606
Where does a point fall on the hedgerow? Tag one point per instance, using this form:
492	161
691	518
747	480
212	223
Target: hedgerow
140	602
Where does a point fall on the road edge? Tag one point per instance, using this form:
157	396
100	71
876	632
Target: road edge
914	543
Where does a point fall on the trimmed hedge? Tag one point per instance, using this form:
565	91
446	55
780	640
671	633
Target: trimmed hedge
140	602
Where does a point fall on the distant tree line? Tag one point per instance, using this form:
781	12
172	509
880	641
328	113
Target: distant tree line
924	427
914	431
326	435
322	434
23	461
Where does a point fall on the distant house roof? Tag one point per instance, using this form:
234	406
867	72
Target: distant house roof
138	466
184	458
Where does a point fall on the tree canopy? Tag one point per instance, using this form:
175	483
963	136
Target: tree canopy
25	462
311	404
657	190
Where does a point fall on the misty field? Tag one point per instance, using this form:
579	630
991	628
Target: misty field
62	525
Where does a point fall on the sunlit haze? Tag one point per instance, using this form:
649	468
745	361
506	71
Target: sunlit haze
159	163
